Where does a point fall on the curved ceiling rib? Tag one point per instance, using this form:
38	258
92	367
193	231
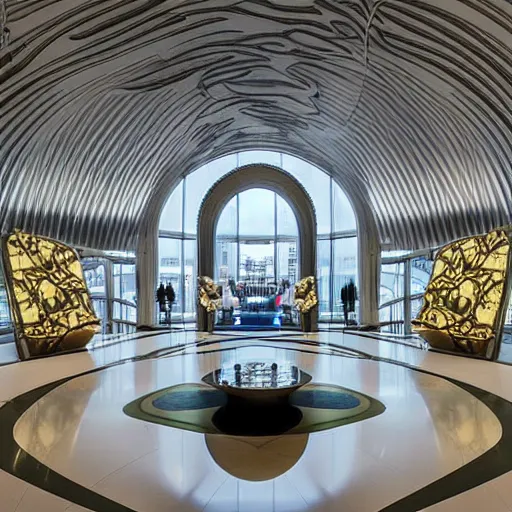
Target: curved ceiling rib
104	102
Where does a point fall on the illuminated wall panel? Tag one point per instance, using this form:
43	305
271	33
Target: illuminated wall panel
49	300
465	300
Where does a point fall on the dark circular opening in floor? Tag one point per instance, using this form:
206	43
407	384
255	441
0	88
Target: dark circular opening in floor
256	421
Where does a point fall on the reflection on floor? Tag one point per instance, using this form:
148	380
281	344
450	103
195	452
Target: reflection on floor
446	428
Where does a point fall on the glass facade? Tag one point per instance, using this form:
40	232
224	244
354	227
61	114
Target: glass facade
256	259
95	278
171	218
172	269
268	234
124	282
189	277
421	268
324	277
391	282
257	233
403	280
5	316
121	316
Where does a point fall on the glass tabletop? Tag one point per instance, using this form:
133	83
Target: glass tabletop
258	375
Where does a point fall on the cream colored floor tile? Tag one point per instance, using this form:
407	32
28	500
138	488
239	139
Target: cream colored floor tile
145	466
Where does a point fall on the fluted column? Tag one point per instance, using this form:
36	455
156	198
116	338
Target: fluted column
147	269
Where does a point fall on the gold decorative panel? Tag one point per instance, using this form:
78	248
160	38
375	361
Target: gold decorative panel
208	295
465	300
305	294
49	300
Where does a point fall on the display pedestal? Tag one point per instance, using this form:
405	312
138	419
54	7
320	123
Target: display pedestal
239	417
309	321
257	397
305	322
205	320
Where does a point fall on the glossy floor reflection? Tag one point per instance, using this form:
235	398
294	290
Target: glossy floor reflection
431	427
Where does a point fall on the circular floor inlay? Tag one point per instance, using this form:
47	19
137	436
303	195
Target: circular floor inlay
200	408
190	400
324	399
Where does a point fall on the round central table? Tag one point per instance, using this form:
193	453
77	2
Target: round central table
258	394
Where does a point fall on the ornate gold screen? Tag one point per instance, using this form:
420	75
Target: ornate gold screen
305	294
207	294
49	300
464	302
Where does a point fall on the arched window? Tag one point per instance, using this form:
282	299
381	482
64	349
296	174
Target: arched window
336	228
263	228
256	257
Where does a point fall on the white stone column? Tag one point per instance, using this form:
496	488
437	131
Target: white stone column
368	255
369	277
147	274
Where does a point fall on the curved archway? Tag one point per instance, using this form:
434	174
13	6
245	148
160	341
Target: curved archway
245	178
367	266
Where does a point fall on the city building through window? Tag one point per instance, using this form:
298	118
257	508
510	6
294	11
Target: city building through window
257	233
256	259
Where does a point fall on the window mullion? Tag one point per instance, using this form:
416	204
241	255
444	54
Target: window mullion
331	278
407	297
238	238
275	237
182	251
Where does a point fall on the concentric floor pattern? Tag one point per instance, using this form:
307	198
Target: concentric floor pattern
439	442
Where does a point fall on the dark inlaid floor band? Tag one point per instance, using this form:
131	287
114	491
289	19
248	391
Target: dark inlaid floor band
194	407
491	464
16	461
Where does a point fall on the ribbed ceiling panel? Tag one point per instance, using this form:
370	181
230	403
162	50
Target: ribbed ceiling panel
104	102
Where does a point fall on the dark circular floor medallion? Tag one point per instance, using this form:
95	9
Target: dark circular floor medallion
323	399
204	409
190	400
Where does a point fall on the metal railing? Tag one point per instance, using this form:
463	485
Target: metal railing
392	314
5	316
399	312
124	315
508	318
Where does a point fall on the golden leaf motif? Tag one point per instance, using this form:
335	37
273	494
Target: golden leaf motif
305	294
208	295
465	295
48	295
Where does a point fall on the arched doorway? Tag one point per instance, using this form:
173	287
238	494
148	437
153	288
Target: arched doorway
339	245
257	236
257	260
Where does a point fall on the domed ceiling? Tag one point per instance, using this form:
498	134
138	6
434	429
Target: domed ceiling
104	103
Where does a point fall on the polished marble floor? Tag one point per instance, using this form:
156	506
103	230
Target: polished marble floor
446	429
